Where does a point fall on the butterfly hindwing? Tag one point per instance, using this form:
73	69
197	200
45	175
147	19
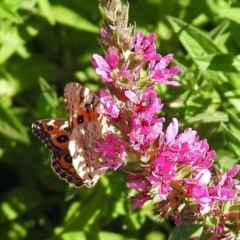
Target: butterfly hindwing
86	160
54	133
62	166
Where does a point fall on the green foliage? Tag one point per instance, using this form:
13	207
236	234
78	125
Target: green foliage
44	45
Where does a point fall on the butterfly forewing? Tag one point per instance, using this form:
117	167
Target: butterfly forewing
81	104
53	133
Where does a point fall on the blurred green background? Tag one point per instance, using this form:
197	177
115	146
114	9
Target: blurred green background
45	44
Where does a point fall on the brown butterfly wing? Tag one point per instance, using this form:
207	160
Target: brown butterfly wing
88	163
54	133
62	166
81	104
82	107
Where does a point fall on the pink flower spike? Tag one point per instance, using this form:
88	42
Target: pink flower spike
208	161
189	136
225	194
232	172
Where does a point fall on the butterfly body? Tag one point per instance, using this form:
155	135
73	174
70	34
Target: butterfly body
72	141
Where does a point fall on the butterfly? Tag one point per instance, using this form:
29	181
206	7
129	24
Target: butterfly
73	140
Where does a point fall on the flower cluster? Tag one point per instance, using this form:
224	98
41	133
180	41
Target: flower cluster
174	170
132	104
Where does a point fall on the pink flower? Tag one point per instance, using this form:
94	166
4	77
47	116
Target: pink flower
146	127
142	186
172	132
108	69
175	153
109	107
148	105
162	173
144	47
175	170
186	145
140	199
159	73
113	150
224	190
197	189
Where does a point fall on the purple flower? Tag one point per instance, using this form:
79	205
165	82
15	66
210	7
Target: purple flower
180	160
174	170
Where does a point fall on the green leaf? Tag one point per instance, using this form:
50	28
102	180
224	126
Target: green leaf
46	10
234	142
226	159
18	201
92	208
11	127
135	220
10	41
13	231
71	192
113	236
73	235
231	13
219	62
207	117
235	207
186	231
24	74
196	42
234	118
70	18
6	12
48	93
